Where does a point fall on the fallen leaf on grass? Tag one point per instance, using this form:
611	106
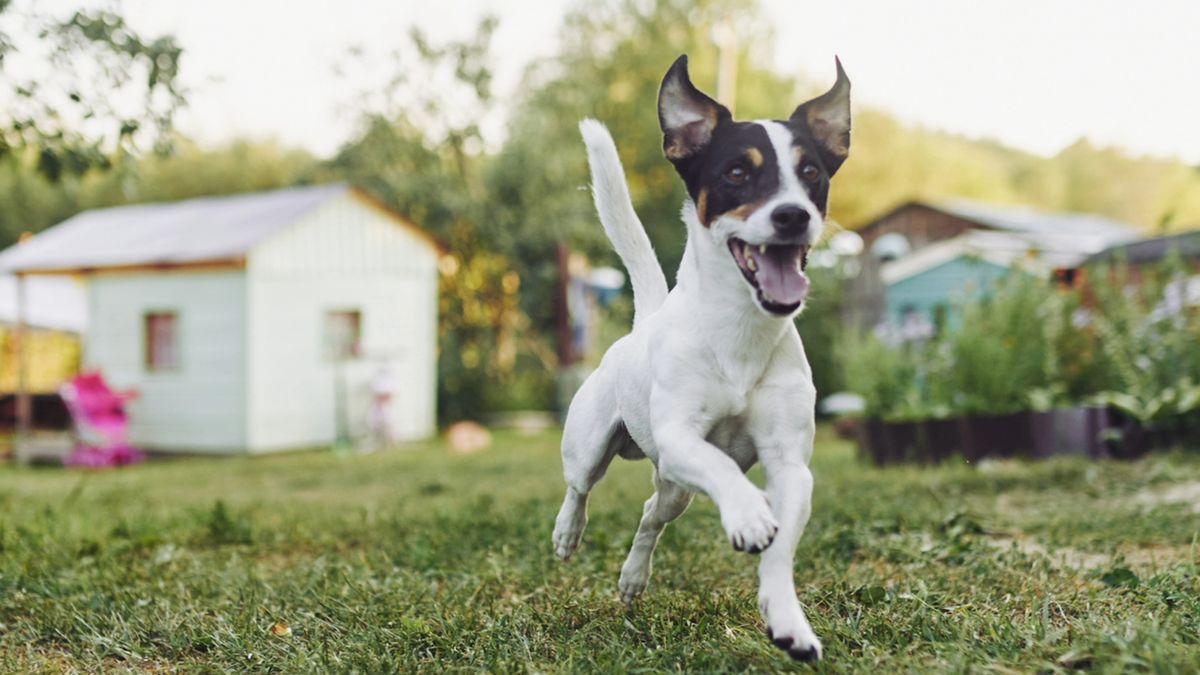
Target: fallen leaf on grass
281	629
870	595
1076	660
1120	576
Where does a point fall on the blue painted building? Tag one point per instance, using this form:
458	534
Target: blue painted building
932	294
924	259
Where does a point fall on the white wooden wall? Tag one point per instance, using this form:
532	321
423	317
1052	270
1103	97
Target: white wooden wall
200	407
346	255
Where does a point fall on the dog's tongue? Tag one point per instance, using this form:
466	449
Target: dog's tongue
778	276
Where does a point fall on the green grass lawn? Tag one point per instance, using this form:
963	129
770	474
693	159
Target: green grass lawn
417	560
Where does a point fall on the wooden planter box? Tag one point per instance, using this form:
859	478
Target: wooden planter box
1132	439
1064	431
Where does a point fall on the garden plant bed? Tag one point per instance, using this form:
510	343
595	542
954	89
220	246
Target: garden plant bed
1090	431
1033	369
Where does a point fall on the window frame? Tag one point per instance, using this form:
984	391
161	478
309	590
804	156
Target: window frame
331	352
150	355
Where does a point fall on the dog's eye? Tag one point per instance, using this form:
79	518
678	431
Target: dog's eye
810	173
737	175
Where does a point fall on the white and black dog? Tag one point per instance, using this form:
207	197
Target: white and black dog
713	377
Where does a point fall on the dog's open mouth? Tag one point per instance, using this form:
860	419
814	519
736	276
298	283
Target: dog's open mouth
776	271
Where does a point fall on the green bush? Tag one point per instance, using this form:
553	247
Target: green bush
1151	350
888	378
1002	354
1002	350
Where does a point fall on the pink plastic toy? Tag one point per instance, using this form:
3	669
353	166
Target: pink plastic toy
100	422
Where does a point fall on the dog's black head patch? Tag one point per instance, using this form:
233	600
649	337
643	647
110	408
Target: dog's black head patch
732	167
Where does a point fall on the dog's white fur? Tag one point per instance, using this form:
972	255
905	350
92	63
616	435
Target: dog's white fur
706	384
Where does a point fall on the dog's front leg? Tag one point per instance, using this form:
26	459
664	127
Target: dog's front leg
784	448
686	459
789	487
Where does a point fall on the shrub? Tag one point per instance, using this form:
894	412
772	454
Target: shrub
888	378
1003	349
1150	343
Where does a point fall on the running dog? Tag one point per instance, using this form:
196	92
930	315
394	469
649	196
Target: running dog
713	377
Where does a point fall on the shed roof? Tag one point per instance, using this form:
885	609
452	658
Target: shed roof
1088	232
1028	219
1035	252
1151	250
193	231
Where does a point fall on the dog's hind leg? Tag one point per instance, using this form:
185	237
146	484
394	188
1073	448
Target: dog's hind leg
668	502
592	435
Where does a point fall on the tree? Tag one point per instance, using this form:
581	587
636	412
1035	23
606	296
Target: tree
93	90
421	151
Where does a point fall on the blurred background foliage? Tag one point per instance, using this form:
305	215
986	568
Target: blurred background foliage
103	93
501	209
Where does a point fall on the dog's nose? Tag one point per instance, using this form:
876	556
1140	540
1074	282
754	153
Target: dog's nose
790	220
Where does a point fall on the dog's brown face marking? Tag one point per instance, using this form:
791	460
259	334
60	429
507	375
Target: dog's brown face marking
735	173
743	212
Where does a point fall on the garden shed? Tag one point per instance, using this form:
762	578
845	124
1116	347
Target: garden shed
931	233
253	322
929	282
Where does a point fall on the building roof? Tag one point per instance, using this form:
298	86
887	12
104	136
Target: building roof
1151	250
1088	232
189	232
1028	219
1035	252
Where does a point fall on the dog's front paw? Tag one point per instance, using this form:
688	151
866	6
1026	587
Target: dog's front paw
789	630
750	524
568	529
635	574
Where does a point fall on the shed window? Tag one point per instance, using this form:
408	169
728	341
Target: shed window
343	334
162	341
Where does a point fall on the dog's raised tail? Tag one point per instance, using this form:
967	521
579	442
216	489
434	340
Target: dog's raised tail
621	222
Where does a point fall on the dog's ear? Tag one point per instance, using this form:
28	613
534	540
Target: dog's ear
687	116
828	118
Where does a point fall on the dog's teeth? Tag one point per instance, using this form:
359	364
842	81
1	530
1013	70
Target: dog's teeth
799	265
748	252
762	249
750	264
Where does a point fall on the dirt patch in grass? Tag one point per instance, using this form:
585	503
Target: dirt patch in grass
58	659
1181	493
1145	558
1066	557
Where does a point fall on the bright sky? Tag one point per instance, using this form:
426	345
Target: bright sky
1036	74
